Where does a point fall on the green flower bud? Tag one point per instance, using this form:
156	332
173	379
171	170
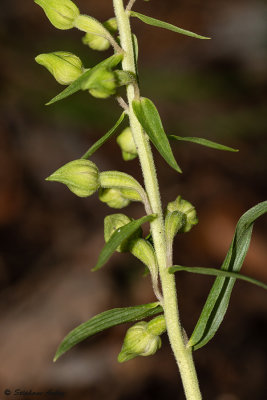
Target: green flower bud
114	222
80	176
174	222
101	83
113	198
97	42
127	145
64	66
186	208
157	326
130	189
61	13
91	25
111	25
139	341
144	251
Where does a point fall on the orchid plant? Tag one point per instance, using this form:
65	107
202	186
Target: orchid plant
117	189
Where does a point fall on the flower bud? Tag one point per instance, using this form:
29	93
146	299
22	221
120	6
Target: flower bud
91	25
130	189
139	341
113	198
101	83
114	222
64	66
80	176
174	223
186	208
97	42
61	13
144	251
111	24
157	326
127	145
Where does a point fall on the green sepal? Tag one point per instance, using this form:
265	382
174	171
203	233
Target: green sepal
105	320
118	237
217	302
77	85
165	25
148	116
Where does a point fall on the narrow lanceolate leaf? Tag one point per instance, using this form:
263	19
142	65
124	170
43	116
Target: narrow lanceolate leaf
106	320
118	237
203	142
149	118
217	302
217	272
77	85
165	25
104	138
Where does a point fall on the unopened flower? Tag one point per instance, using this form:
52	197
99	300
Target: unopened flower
64	66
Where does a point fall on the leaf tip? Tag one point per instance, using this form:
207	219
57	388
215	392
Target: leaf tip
95	268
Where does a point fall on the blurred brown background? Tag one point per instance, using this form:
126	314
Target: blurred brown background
50	239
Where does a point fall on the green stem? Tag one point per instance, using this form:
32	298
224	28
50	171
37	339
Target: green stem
182	354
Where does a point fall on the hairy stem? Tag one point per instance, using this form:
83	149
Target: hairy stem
182	354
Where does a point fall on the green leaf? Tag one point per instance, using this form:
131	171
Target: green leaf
217	272
165	25
203	142
77	85
118	237
106	320
104	138
149	118
217	302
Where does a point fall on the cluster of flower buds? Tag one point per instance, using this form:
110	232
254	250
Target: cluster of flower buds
127	145
67	67
142	339
180	216
83	178
64	14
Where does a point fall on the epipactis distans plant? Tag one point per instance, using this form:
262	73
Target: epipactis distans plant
117	189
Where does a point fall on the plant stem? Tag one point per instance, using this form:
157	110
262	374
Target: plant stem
182	353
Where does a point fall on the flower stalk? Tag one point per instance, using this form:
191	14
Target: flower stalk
182	353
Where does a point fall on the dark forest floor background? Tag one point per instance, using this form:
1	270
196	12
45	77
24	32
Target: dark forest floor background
49	239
